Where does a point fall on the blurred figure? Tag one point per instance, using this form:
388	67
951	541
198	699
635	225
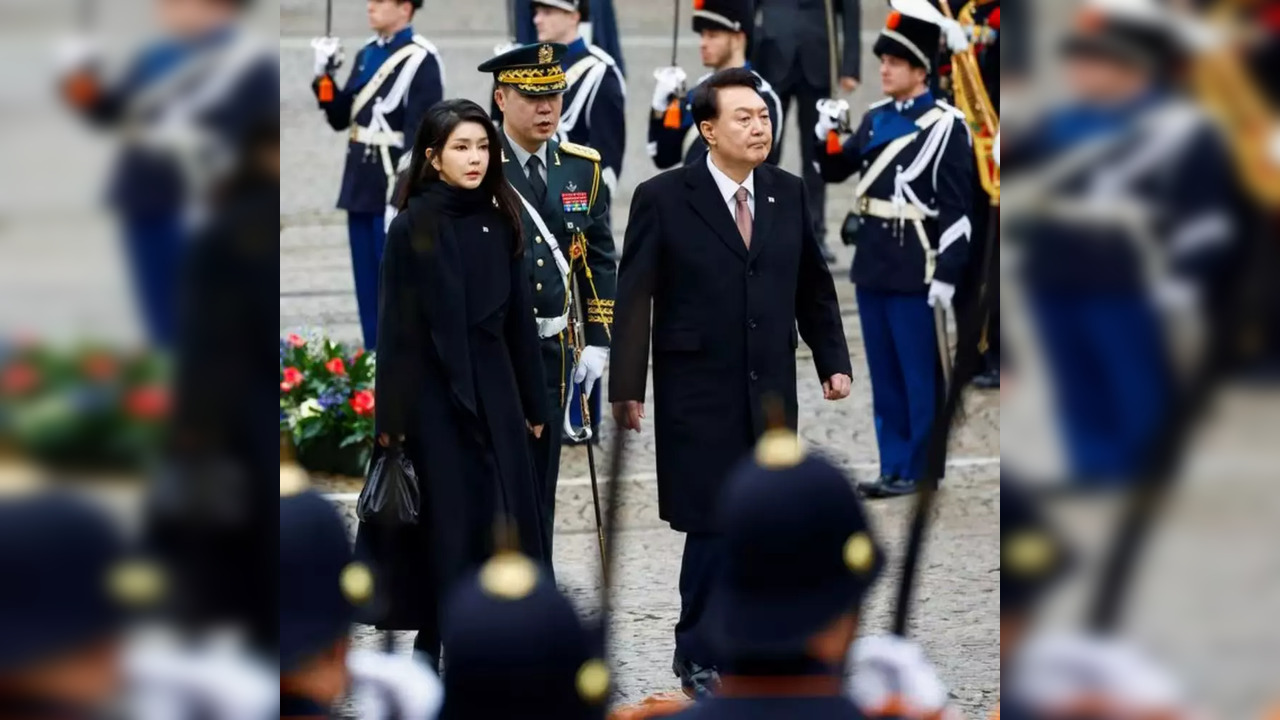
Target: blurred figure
183	106
797	47
517	649
725	28
914	234
397	75
1124	216
599	26
69	583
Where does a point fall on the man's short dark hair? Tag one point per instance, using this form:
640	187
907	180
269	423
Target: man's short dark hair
706	97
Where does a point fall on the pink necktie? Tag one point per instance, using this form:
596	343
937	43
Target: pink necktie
742	214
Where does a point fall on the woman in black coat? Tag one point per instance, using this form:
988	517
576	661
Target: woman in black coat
459	374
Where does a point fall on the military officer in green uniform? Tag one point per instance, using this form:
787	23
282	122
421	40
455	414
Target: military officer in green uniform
569	245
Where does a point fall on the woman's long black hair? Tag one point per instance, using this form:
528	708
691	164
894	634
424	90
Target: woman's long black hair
437	125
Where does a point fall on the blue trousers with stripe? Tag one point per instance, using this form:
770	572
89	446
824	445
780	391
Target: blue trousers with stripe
367	234
902	355
154	246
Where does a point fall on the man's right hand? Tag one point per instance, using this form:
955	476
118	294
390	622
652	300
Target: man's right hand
327	55
628	414
384	439
670	80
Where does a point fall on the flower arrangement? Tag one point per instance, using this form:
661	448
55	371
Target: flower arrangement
327	403
88	407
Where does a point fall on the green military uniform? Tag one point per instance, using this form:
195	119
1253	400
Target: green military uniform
573	218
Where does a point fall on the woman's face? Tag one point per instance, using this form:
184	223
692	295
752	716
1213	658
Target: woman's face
464	159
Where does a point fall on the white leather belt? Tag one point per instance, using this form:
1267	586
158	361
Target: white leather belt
887	210
379	138
551	327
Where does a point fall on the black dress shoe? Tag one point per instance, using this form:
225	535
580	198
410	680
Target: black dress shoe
698	682
987	380
890	487
865	485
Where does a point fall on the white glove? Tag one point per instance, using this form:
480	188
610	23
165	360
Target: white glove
1176	295
590	367
75	52
388	215
891	676
327	54
995	148
955	35
940	292
670	80
1059	674
387	686
832	115
171	681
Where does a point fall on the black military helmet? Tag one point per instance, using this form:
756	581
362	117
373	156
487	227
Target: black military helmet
798	551
731	15
578	6
69	578
909	38
1032	556
515	647
532	69
322	585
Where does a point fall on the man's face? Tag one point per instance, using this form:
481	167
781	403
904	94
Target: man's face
1101	79
555	25
898	77
532	118
190	17
743	131
717	47
387	15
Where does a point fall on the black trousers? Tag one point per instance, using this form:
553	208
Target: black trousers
694	633
545	450
794	86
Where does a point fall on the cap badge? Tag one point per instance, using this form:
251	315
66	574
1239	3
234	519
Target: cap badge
779	449
357	583
859	553
136	583
545	54
1028	552
593	681
509	576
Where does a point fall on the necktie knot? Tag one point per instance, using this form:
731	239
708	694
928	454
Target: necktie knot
742	215
741	195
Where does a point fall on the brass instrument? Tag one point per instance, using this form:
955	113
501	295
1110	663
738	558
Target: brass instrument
972	98
1219	78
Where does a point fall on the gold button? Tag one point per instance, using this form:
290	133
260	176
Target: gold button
540	263
538	286
535	311
538	239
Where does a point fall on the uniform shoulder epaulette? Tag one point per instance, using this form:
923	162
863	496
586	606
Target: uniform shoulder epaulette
955	111
581	151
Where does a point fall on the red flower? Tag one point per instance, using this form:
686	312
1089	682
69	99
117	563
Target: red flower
18	379
149	402
296	341
292	378
362	402
98	366
336	366
359	352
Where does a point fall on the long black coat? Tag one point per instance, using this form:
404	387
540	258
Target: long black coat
724	325
459	372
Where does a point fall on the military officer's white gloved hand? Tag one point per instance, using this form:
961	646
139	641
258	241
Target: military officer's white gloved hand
670	80
941	294
831	116
393	686
327	54
955	35
891	677
1097	677
590	367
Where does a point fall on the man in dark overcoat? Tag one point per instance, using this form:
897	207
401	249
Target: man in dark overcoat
724	253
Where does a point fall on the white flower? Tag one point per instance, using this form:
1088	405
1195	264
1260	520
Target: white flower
309	409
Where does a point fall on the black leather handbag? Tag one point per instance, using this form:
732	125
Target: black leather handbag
391	494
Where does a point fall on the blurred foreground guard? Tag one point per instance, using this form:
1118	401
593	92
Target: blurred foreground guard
568	240
725	27
183	106
68	584
396	76
914	157
517	649
1124	216
724	255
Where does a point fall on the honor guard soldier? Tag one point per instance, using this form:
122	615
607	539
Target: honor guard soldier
324	588
599	27
397	75
799	557
566	214
517	649
725	27
914	195
182	106
69	583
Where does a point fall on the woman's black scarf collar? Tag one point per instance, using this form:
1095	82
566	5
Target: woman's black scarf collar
444	199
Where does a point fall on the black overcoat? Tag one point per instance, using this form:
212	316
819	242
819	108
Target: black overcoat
724	325
459	372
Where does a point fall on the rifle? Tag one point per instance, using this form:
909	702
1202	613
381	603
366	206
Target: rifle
325	90
671	118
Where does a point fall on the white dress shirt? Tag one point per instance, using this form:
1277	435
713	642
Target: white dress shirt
729	188
522	157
